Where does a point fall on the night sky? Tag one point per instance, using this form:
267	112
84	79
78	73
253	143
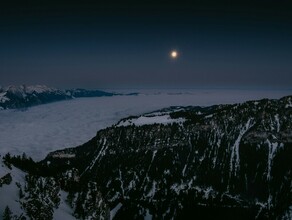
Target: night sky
103	44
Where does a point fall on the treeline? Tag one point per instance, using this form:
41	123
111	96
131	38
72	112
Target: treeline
22	162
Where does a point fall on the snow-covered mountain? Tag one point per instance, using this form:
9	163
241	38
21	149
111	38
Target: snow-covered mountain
224	161
25	96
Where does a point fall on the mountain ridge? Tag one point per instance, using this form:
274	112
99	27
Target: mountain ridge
13	97
219	161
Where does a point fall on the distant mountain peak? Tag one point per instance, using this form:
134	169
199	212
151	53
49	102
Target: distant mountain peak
24	89
23	96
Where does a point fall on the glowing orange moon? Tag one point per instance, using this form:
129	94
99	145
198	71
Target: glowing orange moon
173	54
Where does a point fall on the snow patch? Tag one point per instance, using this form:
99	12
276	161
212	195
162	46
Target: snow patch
115	210
148	120
3	97
39	89
184	169
63	155
209	116
9	194
152	191
277	122
178	187
235	159
146	176
122	183
289	105
288	214
273	147
100	153
64	211
147	216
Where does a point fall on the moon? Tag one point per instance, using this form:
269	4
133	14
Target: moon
173	54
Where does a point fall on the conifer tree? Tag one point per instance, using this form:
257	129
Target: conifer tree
7	215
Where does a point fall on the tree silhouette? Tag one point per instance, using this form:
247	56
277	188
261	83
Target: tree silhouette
7	215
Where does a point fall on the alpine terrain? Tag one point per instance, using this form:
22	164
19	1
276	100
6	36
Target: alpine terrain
219	162
12	97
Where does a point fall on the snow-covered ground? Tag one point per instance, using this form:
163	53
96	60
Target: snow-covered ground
9	194
45	128
143	120
64	211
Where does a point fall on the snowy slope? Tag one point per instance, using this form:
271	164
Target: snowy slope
9	194
64	211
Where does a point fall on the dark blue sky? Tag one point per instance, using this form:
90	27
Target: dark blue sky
126	45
